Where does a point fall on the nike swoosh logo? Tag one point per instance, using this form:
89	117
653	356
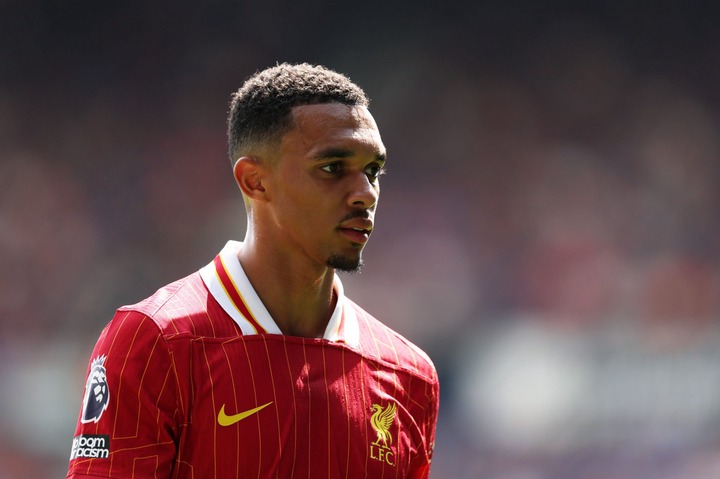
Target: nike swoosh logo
225	420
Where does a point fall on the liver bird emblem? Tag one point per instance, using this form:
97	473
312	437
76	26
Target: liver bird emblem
381	421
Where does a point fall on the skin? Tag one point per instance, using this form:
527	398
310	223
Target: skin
304	197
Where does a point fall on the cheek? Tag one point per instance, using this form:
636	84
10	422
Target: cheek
307	206
299	209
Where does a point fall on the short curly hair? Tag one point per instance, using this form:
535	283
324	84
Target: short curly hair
260	109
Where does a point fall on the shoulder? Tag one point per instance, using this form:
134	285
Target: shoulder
182	308
379	340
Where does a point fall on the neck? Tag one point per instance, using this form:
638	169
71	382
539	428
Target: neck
298	294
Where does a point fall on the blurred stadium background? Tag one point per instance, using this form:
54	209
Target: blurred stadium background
548	231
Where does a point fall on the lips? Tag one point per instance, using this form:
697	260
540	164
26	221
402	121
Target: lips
358	230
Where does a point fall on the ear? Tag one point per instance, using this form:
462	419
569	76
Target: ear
249	174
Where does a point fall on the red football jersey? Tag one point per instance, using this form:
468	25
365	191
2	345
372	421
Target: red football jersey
197	381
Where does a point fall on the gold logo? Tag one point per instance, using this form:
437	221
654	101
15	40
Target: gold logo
381	421
225	420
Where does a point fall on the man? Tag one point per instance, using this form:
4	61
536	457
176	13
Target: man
258	365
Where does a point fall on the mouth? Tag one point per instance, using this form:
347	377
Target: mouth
356	235
357	230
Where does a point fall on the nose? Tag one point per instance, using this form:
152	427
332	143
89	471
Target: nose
363	193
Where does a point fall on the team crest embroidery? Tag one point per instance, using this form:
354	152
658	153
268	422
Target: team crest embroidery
97	394
382	420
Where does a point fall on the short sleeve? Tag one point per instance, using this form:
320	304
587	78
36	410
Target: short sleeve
421	469
127	425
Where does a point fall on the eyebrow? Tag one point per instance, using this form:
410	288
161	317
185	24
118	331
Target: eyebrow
331	153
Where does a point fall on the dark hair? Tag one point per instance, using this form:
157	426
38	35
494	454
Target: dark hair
260	109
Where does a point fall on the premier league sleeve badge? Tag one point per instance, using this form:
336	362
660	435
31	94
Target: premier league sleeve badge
97	394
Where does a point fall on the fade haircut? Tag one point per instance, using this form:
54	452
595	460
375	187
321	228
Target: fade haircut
260	109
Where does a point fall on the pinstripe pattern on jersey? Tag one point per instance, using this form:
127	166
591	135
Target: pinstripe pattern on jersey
176	358
143	401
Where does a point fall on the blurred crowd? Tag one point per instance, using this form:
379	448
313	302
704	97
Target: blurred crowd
547	232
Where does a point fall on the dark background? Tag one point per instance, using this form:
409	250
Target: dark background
548	230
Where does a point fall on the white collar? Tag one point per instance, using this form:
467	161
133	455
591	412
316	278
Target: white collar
230	286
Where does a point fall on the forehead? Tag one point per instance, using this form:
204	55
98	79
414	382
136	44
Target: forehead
332	124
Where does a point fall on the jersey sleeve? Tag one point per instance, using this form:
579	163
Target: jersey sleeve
421	468
127	426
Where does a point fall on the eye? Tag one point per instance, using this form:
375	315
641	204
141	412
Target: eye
332	168
374	170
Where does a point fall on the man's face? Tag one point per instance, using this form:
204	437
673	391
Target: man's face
324	184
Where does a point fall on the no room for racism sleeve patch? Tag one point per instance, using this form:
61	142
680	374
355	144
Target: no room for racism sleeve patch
90	445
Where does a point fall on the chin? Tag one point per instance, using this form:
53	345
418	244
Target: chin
345	263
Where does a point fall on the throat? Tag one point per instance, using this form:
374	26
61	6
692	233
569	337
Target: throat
303	330
306	322
303	312
300	300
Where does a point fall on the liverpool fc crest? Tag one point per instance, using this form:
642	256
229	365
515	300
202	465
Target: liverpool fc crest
381	420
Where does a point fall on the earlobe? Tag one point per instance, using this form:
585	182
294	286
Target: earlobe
248	174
